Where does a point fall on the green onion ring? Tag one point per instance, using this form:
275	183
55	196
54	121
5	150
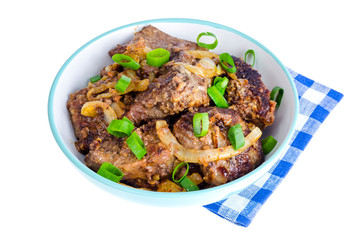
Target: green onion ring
181	164
221	84
206	45
188	185
125	61
95	79
120	128
123	83
236	136
158	57
226	58
136	145
278	97
268	144
217	97
200	119
110	172
250	51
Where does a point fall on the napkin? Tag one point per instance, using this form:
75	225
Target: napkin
316	101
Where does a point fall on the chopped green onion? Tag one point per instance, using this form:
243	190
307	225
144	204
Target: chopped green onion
125	61
236	136
206	45
250	51
217	97
123	83
201	124
268	144
221	84
95	79
184	181
136	145
181	164
279	96
158	57
226	58
110	172
188	185
121	128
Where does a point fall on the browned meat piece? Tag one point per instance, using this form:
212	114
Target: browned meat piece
249	96
171	93
86	129
155	38
156	165
220	120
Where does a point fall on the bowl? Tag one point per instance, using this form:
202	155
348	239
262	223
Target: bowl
89	59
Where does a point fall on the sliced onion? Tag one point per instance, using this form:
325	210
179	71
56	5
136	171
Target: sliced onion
207	64
169	186
204	68
202	156
137	50
99	89
202	54
219	70
136	85
117	109
89	110
140	85
233	76
196	178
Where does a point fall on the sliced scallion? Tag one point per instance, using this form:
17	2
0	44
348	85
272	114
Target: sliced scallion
176	170
136	145
250	51
278	91
200	124
268	144
184	181
236	136
221	84
95	79
123	83
227	62
188	185
110	172
120	128
207	45
217	97
125	61
158	57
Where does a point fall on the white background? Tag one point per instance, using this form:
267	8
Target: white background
44	197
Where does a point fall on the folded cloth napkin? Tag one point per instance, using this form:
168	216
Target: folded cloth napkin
316	101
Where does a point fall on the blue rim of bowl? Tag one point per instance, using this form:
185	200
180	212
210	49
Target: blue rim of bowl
151	194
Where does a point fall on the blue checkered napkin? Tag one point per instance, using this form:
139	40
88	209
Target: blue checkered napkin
316	102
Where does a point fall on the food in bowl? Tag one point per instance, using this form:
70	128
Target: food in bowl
170	115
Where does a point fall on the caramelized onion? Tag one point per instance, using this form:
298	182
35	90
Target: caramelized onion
136	85
137	50
118	109
169	186
202	54
99	89
202	156
89	110
204	68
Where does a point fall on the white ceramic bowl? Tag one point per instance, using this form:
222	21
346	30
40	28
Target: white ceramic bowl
89	59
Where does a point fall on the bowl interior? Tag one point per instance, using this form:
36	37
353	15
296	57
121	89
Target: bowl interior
93	56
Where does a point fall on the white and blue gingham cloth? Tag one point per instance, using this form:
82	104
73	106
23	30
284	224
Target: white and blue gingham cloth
316	101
